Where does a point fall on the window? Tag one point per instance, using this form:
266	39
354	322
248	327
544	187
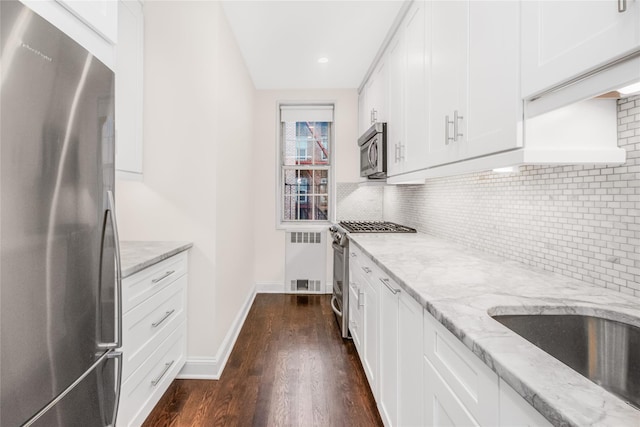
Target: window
305	162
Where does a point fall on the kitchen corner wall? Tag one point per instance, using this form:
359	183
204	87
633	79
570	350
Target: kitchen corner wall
198	159
579	221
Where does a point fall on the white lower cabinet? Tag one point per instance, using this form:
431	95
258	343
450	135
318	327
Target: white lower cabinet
389	306
419	372
516	412
456	377
153	335
410	390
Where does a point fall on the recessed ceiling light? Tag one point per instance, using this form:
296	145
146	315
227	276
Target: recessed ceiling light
323	60
628	90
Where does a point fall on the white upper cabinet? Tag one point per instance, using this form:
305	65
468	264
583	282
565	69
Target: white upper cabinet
493	101
407	145
101	15
129	90
474	92
415	149
448	79
372	101
395	125
564	39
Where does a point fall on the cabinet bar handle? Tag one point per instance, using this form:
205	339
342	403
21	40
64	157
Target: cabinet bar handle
360	298
366	269
164	276
165	317
456	119
447	139
353	255
388	285
162	374
622	6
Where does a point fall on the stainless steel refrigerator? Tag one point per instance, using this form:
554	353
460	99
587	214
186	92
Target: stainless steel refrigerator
59	268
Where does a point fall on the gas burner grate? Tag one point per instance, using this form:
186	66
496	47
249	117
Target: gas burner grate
375	227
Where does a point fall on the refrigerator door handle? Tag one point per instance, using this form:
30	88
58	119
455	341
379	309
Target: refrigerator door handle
117	341
118	356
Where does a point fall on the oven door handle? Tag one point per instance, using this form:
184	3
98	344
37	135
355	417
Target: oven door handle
334	308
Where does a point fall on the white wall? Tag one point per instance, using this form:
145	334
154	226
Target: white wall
197	161
269	243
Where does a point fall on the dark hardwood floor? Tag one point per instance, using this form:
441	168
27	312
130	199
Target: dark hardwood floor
289	367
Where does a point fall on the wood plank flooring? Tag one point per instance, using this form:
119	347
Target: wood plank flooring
289	367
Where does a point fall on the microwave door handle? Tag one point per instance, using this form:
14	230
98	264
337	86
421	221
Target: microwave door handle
370	153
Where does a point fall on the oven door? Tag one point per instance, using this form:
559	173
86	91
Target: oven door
339	299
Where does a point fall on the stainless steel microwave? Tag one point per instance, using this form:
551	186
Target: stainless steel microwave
373	152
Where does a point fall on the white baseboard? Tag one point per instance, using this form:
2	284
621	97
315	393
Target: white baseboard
210	368
270	288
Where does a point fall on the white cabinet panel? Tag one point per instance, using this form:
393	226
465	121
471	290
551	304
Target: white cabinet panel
516	412
101	15
599	32
410	393
448	79
388	401
415	149
472	382
395	126
129	88
370	317
493	96
441	406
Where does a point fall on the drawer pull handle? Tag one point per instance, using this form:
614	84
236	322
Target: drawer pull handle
388	285
164	276
162	374
360	298
366	269
353	255
165	317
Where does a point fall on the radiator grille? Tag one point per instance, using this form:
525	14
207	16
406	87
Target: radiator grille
306	262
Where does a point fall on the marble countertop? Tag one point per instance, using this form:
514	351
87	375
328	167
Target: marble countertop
136	256
461	286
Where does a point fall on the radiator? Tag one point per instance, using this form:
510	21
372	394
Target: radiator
305	262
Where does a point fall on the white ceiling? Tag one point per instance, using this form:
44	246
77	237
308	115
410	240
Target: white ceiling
281	41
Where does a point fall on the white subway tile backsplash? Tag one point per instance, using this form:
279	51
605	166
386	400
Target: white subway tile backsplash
582	221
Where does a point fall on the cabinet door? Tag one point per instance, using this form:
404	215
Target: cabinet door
371	335
377	93
101	15
363	113
448	78
494	102
409	362
395	126
129	93
389	352
441	406
516	412
415	150
563	39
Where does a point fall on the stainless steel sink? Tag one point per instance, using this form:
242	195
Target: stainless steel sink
605	351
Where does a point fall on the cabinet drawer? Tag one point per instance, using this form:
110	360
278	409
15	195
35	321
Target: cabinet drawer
474	384
149	323
441	405
142	390
142	285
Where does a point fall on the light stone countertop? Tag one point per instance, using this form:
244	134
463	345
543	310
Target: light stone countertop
460	286
136	256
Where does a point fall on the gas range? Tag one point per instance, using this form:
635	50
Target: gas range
340	298
375	227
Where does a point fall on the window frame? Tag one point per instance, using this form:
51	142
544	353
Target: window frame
281	223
